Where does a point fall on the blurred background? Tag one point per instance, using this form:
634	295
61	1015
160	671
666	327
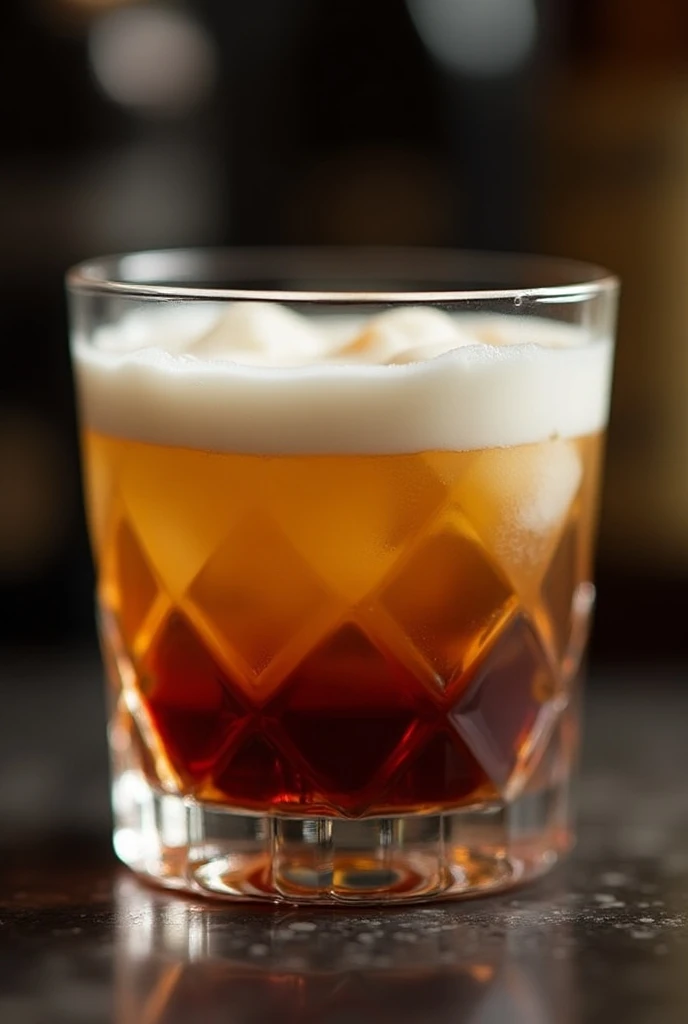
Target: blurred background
558	126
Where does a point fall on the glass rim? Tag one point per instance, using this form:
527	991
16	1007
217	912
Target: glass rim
130	274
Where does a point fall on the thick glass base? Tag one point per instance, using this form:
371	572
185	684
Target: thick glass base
180	843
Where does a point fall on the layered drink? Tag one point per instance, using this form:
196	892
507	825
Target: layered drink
344	559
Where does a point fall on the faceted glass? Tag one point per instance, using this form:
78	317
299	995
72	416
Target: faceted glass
344	676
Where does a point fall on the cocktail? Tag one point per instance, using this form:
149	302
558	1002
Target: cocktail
342	509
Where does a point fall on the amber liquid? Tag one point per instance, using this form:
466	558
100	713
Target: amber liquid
341	635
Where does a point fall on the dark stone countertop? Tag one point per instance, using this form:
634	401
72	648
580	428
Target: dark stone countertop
605	937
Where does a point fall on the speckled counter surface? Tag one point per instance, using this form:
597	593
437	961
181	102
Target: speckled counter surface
603	938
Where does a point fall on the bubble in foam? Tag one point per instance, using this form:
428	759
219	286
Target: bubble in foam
174	325
260	378
259	333
407	335
504	331
419	353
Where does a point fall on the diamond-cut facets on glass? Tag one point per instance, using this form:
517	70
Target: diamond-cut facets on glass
135	584
189	698
256	592
581	614
101	495
448	598
128	744
518	499
347	710
543	785
183	505
551	763
254	772
442	771
498	714
119	669
353	517
558	587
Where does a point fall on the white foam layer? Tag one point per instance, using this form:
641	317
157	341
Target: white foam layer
257	378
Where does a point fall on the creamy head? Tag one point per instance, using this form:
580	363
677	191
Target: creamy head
259	378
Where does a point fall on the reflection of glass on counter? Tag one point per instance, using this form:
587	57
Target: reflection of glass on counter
478	964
